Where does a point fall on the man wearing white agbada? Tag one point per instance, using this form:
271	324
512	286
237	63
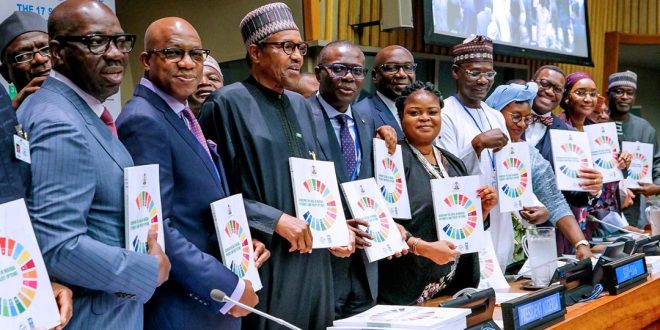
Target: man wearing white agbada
471	129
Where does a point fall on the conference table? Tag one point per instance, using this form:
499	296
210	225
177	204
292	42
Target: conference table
637	308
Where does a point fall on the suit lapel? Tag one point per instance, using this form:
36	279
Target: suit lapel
181	128
328	141
93	123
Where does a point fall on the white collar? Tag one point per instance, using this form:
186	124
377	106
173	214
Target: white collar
174	104
95	104
388	102
330	110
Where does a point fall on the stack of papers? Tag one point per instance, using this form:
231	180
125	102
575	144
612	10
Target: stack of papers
406	317
653	264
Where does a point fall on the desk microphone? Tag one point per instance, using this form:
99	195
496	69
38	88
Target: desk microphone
593	219
220	296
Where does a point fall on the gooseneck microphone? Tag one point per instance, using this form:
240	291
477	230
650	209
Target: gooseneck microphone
220	296
617	227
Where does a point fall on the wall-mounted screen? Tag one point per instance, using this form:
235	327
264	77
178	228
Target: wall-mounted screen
556	30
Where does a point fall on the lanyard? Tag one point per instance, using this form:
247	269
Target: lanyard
428	166
490	155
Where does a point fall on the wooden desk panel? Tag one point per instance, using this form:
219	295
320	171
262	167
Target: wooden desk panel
636	308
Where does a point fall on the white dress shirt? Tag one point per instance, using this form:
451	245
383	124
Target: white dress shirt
535	131
92	102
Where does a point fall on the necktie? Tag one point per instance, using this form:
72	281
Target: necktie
545	120
347	144
106	117
195	128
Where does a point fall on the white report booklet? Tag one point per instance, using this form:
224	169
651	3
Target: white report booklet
458	214
318	201
234	237
365	202
391	179
604	144
514	177
26	296
641	166
142	206
570	152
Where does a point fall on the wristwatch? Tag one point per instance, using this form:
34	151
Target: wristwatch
582	242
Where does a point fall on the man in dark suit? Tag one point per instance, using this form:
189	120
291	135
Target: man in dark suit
24	53
345	137
551	80
157	126
394	69
76	199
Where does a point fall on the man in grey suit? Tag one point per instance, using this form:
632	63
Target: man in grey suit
76	196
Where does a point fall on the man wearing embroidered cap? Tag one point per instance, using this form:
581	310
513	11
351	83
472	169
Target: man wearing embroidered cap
212	80
622	91
471	129
24	53
258	125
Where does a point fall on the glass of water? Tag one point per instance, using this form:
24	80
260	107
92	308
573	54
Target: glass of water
541	248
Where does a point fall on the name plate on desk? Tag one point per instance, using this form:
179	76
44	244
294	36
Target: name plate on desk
625	273
539	309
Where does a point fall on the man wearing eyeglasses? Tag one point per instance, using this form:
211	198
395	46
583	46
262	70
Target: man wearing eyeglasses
394	69
258	125
345	136
472	130
76	199
24	53
157	126
622	92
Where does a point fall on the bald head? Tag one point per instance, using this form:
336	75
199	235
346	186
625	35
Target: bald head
393	71
169	28
393	53
69	15
178	70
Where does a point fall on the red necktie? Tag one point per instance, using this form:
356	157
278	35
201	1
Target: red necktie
106	117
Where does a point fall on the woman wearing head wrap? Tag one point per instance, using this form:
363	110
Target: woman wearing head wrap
514	101
579	101
434	267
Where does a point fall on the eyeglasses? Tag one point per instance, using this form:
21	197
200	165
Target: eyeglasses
394	68
474	75
289	47
516	118
338	70
545	84
175	54
581	93
29	56
98	44
619	92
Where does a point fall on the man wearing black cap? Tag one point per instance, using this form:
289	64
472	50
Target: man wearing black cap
24	53
258	125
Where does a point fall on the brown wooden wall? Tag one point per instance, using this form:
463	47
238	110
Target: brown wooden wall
331	19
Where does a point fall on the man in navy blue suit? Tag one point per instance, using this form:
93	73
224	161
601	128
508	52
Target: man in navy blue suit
551	80
394	69
157	126
345	136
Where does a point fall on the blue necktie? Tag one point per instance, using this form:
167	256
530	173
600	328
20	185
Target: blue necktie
347	144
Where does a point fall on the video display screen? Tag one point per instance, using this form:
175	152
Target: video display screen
530	28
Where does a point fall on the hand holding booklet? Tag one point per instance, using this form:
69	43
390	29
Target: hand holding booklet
318	202
365	202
